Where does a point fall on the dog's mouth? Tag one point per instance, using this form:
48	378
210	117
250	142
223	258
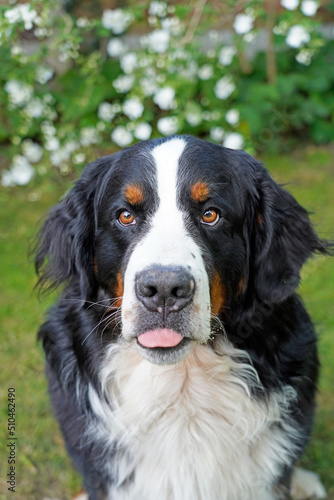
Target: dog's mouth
163	345
160	338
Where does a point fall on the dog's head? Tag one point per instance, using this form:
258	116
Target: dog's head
176	233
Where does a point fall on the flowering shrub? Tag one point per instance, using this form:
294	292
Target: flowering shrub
59	103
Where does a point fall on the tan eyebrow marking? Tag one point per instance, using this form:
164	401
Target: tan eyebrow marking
134	194
199	191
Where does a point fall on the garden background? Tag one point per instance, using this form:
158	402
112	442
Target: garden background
81	79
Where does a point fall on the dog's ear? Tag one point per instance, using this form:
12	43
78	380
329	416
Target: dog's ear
64	248
282	240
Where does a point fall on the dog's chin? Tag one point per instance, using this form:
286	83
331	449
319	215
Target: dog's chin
166	355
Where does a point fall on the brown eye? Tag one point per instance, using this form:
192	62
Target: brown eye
126	218
210	217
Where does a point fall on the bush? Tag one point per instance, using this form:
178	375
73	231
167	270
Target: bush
61	97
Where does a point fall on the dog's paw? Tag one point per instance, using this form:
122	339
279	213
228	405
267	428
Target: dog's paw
306	485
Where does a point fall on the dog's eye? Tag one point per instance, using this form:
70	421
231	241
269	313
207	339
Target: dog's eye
210	217
126	218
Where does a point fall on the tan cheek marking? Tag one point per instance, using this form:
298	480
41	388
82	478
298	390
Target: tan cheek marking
241	287
259	219
134	194
218	295
199	191
95	267
119	290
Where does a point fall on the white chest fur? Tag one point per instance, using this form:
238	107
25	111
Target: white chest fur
192	431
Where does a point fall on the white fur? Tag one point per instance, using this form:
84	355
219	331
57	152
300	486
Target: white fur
306	485
168	244
192	431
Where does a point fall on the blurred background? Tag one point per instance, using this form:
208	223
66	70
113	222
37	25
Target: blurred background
84	78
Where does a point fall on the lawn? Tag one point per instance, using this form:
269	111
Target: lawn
43	467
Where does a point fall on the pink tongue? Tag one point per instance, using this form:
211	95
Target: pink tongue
160	338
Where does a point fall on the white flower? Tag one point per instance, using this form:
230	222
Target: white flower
205	72
157	8
121	136
168	125
89	135
16	50
249	37
129	62
309	7
7	178
123	83
34	108
194	118
19	93
243	23
148	85
157	41
297	36
44	74
224	87
48	129
143	131
59	157
20	173
217	134
290	4
133	108
116	20
22	12
82	22
115	47
79	158
172	25
71	146
305	57
281	28
105	112
32	151
52	144
233	141
232	116
226	55
164	97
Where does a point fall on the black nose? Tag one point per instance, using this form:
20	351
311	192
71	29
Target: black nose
165	289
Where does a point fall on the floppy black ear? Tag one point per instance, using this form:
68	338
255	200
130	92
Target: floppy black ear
65	242
283	239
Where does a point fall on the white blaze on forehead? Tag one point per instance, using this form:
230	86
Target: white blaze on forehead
167	157
167	242
167	225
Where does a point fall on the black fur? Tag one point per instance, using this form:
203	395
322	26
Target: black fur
265	241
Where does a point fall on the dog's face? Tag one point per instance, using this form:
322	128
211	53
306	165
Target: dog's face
169	212
177	233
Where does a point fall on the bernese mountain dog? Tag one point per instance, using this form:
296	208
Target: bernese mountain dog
181	363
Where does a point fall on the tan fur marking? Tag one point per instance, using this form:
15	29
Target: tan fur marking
259	219
241	288
119	290
134	194
218	295
199	191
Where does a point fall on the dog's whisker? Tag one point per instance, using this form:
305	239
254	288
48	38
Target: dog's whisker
98	324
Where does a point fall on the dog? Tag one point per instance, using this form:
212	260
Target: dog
181	363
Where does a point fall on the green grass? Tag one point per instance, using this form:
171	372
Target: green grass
43	467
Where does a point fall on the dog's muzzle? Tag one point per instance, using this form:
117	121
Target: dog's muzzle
165	289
